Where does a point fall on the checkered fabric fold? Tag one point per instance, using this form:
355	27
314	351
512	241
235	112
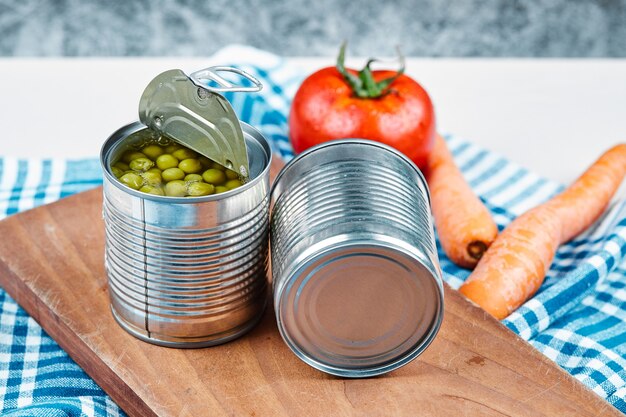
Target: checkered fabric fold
577	319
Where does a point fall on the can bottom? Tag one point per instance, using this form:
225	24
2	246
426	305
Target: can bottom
186	343
360	308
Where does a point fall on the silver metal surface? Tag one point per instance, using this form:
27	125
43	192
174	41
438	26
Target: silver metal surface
357	285
197	117
189	271
212	74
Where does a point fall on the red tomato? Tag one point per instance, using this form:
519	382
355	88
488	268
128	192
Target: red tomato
327	107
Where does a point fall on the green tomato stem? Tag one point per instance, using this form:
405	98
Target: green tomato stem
363	84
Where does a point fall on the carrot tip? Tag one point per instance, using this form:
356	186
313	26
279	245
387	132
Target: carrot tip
476	249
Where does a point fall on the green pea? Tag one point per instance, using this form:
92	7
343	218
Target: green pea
122	165
131	156
184	153
231	184
152	178
220	189
172	148
118	172
190	166
132	180
231	175
200	188
193	177
176	188
206	162
172	174
166	161
141	164
151	189
153	151
215	165
214	176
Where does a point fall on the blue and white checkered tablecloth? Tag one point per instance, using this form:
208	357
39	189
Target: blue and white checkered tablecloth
577	319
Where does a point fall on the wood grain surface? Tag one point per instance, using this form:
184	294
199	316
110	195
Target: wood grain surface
51	262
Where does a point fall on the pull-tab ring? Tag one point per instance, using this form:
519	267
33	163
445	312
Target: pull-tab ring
212	74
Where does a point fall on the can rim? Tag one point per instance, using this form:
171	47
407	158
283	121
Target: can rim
135	126
370	371
344	141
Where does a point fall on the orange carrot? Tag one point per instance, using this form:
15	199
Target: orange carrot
515	265
463	223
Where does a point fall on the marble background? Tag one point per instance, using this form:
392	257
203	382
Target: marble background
500	28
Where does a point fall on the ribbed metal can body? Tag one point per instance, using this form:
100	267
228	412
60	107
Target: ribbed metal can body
356	279
189	271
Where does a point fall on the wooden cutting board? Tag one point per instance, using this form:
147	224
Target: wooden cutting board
51	262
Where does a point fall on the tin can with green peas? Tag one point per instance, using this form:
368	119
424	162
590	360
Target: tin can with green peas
186	219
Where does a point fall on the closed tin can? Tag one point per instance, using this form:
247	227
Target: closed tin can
189	271
357	284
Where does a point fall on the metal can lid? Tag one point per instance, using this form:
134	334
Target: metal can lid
191	110
360	308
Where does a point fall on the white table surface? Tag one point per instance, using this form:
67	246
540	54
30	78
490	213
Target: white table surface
553	116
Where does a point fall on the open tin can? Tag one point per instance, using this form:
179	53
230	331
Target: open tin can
357	284
188	271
